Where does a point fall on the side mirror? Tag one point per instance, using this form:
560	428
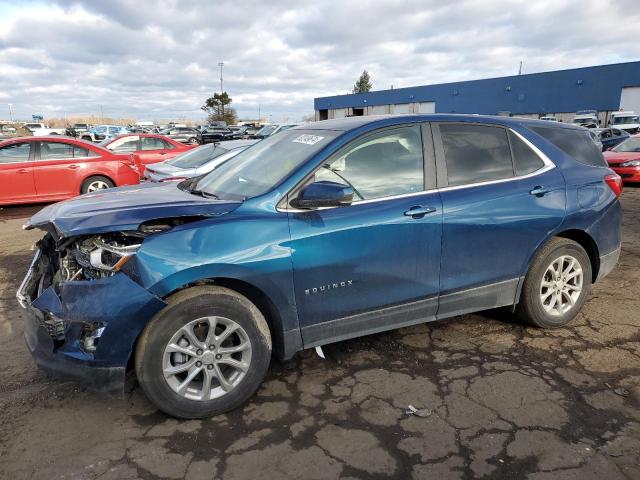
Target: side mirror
323	194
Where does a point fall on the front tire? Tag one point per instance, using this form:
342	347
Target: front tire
204	354
556	285
193	141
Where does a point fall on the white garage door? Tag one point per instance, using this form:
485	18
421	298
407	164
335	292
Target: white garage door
339	112
630	99
377	110
427	107
401	108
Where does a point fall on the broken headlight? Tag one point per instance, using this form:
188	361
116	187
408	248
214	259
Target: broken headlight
97	256
109	257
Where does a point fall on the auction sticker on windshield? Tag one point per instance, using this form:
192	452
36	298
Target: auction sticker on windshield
307	139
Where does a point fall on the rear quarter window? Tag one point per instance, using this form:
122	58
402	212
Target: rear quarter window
575	143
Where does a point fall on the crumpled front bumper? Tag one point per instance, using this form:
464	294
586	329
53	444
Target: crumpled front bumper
59	320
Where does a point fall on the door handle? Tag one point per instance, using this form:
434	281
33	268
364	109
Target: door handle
418	211
73	167
22	170
539	191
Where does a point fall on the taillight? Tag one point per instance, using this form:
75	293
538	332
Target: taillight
615	183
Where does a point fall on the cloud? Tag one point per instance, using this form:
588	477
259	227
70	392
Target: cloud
159	60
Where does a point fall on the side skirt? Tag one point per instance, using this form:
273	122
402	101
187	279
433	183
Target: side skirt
389	318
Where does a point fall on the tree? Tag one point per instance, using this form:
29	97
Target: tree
363	84
218	109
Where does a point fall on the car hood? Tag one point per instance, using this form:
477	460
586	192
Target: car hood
124	208
614	158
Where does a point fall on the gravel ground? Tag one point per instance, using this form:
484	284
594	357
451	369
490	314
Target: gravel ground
497	400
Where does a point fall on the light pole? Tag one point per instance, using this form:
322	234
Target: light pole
221	64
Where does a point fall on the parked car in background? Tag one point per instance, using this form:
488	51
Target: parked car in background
183	135
596	139
12	130
318	234
196	162
627	121
272	129
217	134
77	129
586	118
100	133
40	129
549	118
47	169
610	137
146	148
624	159
239	131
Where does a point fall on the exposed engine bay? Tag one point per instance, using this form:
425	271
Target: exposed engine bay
97	256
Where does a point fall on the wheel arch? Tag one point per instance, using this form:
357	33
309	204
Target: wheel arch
582	238
587	242
283	345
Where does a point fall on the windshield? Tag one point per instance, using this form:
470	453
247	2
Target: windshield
264	165
617	120
266	131
197	157
629	145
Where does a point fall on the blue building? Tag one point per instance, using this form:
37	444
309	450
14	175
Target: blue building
604	88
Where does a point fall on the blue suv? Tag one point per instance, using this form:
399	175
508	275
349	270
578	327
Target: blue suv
324	232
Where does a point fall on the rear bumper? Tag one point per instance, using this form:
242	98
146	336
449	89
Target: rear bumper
608	263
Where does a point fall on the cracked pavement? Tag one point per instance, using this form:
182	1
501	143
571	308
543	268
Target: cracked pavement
500	400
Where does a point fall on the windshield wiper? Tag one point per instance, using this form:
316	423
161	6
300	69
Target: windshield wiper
202	193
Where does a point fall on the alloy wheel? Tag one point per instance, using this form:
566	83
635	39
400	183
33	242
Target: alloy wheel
561	285
97	185
206	358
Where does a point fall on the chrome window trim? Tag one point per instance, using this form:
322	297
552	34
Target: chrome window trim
548	165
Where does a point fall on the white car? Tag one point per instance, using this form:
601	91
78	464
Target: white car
549	118
589	120
40	130
627	121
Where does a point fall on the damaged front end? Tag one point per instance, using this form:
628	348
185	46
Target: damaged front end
85	313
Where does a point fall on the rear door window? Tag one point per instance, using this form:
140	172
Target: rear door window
475	153
152	143
575	143
55	151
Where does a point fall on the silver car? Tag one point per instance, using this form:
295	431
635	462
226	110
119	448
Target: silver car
195	162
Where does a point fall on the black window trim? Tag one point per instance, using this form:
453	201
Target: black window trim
428	168
443	181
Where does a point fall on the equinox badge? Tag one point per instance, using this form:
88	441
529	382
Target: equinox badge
329	286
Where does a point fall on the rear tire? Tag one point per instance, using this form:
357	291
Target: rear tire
95	183
556	285
189	372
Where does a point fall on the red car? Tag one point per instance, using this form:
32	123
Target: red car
146	148
624	159
52	168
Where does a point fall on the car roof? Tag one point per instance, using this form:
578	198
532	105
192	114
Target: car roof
231	144
352	123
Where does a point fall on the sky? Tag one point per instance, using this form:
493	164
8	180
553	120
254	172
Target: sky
159	60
